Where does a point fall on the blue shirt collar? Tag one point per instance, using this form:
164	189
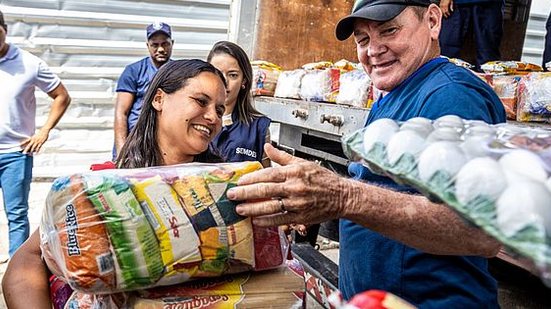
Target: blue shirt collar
424	68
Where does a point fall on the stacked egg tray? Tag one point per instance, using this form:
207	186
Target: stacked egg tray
494	176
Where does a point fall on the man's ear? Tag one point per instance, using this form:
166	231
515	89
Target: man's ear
434	16
158	100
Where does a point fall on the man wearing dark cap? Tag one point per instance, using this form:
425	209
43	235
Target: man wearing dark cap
390	237
135	79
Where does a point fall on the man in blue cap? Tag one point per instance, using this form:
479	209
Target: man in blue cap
135	79
390	237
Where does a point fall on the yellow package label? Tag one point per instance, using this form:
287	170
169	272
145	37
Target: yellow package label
215	293
240	241
179	243
194	192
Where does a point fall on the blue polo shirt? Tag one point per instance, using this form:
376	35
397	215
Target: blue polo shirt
369	260
239	141
135	79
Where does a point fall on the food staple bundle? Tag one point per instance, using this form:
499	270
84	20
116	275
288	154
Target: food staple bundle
496	176
265	75
534	103
119	230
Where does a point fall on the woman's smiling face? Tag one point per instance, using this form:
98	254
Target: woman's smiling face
189	118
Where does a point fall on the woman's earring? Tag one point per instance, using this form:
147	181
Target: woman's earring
242	86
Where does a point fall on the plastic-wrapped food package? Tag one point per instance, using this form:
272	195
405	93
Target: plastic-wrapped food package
534	99
276	288
120	230
317	85
510	67
265	75
495	176
354	88
506	87
289	83
461	63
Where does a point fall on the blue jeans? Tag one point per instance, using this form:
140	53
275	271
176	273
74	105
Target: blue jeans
15	180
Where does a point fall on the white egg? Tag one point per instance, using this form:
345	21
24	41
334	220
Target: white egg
479	177
404	142
422	126
440	156
476	123
521	204
380	130
522	164
450	121
505	130
444	134
476	146
479	131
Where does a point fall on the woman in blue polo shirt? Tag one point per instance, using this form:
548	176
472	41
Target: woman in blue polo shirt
245	130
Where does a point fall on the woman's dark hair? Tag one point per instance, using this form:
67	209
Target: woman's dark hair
245	110
141	148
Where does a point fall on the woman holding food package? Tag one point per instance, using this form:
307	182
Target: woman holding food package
245	130
182	113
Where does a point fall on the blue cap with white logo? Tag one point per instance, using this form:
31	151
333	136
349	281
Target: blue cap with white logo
158	27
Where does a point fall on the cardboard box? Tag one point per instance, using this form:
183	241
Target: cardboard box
278	288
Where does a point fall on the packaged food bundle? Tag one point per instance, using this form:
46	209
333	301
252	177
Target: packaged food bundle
318	85
534	98
289	83
510	67
497	177
276	288
505	86
265	75
320	65
461	63
120	230
354	88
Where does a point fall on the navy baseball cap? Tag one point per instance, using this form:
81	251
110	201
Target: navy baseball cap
158	27
377	10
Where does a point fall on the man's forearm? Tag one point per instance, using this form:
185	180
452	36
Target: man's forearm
59	106
415	221
121	132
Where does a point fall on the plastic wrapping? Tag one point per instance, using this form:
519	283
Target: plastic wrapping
510	67
354	88
265	75
278	288
119	230
319	85
496	177
534	100
506	87
461	63
289	83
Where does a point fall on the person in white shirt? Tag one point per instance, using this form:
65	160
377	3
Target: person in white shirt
20	73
